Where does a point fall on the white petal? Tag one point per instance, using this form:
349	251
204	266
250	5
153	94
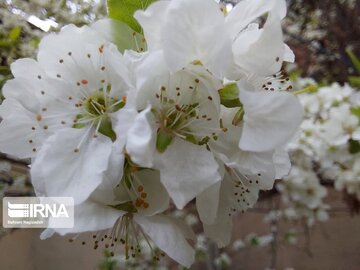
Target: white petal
122	121
220	231
168	237
186	170
47	233
233	198
195	30
265	56
26	68
114	172
207	203
247	11
289	55
141	140
270	119
149	78
257	167
246	38
152	21
67	173
282	163
356	134
90	216
17	135
157	197
72	46
23	90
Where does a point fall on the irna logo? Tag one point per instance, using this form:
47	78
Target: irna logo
38	212
21	210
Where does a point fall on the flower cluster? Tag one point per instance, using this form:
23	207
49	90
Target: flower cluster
203	113
303	196
330	136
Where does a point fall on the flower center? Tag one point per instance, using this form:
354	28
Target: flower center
176	118
97	108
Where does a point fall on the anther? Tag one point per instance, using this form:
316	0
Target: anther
38	117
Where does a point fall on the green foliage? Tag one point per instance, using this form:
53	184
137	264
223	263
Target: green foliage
121	34
15	33
229	95
354	147
356	111
123	10
355	61
354	81
11	39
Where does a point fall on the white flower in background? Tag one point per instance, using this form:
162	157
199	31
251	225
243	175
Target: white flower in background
223	260
341	126
180	115
349	179
302	192
330	135
60	111
238	245
133	215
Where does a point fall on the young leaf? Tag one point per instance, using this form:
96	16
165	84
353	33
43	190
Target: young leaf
229	95
354	147
354	59
355	81
123	10
15	33
356	111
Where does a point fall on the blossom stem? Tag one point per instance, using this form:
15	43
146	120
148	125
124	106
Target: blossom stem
308	89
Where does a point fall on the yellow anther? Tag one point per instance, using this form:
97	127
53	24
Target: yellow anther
38	117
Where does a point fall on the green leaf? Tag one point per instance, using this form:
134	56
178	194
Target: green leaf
5	70
121	34
354	59
15	33
229	95
356	111
123	10
354	81
354	147
163	140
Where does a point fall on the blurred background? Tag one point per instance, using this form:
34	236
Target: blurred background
308	221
